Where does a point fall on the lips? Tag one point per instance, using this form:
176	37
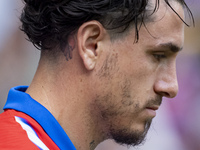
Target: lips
153	107
151	110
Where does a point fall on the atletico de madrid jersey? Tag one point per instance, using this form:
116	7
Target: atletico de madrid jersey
27	125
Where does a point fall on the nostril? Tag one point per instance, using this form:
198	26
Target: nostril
166	89
164	94
171	93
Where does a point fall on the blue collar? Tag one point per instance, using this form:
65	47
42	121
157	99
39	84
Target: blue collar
21	101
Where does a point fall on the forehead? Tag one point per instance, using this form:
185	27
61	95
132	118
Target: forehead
164	25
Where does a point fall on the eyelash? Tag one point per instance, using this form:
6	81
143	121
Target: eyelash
159	56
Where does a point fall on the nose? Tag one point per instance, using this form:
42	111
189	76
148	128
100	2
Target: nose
166	84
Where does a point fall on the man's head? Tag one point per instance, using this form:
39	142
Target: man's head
49	23
124	54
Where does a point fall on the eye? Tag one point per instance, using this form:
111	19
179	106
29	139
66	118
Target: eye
159	56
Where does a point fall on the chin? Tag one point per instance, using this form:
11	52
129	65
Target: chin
131	137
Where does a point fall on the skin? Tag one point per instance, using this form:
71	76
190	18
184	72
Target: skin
111	86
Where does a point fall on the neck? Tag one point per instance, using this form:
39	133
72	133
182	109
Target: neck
69	103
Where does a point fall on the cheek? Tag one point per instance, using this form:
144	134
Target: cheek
140	77
124	84
120	99
134	63
140	70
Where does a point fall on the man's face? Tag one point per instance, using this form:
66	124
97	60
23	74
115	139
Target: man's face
134	77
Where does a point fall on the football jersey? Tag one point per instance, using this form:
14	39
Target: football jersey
27	125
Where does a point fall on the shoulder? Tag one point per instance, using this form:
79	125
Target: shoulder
12	134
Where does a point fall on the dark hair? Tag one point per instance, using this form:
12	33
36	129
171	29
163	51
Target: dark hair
49	23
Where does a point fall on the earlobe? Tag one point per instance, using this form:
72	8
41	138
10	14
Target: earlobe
88	37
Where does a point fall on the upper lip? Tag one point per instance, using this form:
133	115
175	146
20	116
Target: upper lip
155	107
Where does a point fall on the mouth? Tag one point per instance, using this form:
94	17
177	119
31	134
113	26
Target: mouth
151	110
153	107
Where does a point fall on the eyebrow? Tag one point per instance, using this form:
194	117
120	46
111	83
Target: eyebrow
172	47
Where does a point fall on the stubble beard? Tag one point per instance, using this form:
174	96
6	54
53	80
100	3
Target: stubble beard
111	113
130	138
123	135
110	110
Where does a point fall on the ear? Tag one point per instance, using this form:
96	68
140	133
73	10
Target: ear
89	36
